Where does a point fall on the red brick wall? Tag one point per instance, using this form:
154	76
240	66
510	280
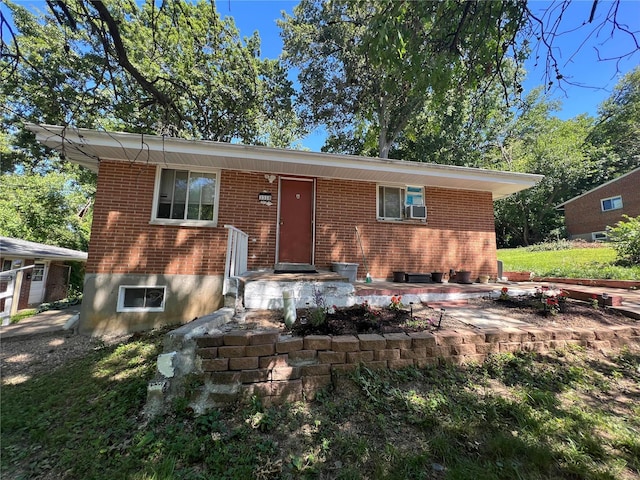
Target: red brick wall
459	233
123	240
239	206
23	301
56	288
585	215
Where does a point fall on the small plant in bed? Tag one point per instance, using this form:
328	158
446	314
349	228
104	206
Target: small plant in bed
363	318
545	300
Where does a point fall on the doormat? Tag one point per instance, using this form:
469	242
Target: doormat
294	268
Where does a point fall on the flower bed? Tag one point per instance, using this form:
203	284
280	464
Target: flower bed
363	318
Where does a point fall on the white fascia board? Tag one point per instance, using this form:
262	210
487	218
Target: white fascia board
132	146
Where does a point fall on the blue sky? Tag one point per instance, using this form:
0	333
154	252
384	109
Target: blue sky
598	78
578	63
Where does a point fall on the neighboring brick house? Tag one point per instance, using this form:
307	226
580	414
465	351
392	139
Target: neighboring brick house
162	205
46	281
587	216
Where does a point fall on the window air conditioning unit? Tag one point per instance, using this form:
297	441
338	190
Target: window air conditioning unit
416	211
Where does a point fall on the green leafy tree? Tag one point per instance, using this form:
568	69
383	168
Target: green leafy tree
538	142
618	128
625	236
467	129
49	207
368	68
177	69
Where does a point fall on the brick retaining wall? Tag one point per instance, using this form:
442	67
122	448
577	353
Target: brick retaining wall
237	365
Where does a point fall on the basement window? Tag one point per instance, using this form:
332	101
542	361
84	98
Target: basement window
599	236
612	203
132	298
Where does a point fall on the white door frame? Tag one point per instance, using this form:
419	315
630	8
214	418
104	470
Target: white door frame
36	296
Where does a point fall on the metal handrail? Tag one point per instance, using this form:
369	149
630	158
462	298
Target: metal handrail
7	295
237	253
11	272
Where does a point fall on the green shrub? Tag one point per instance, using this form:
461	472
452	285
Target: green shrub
23	314
626	240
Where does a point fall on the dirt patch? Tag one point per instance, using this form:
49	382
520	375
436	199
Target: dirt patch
365	319
352	320
22	358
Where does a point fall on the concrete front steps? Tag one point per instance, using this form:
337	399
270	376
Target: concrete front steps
264	291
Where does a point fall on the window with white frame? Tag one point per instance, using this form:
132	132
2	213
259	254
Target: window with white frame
37	273
393	201
185	195
133	298
612	203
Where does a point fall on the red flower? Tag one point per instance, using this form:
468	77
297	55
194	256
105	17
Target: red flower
594	296
504	290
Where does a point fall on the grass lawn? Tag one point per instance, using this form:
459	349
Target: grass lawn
565	415
571	263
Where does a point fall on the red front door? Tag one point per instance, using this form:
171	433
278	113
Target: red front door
295	241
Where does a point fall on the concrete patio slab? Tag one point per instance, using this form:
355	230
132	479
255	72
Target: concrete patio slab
479	318
44	322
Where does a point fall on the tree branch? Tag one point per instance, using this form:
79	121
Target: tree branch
123	59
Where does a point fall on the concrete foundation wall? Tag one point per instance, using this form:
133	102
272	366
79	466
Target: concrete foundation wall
187	297
588	237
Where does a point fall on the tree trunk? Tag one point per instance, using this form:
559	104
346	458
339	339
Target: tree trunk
525	230
384	146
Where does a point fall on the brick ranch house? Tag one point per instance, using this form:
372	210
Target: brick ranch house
36	272
159	244
588	215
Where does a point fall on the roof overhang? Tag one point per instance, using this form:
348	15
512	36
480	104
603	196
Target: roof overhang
18	248
617	179
88	147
